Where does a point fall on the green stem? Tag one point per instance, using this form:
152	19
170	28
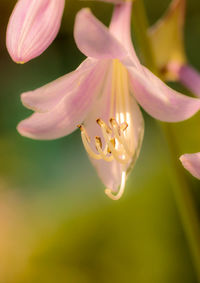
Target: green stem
184	199
182	192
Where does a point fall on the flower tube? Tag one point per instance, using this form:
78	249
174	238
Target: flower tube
32	27
101	96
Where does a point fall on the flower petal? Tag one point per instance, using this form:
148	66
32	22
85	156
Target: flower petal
191	162
159	100
32	27
190	77
70	112
120	27
94	39
111	173
48	96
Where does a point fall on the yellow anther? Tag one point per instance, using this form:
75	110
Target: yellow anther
124	126
103	153
102	124
98	141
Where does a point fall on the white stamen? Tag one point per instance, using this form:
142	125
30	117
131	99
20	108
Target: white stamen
102	153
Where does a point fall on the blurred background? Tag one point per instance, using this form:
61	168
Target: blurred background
56	224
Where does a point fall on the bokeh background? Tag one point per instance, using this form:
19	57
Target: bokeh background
56	224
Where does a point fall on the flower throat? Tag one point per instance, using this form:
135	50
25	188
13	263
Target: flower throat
117	136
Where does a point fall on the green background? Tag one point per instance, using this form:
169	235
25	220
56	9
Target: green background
56	224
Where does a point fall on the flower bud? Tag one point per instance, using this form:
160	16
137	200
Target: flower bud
167	38
32	27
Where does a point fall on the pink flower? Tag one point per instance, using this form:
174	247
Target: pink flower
32	27
101	97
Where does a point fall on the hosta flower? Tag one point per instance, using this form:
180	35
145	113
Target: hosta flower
101	97
32	27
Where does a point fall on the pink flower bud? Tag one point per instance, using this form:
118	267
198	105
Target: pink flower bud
32	27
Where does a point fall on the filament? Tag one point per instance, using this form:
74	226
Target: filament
115	143
103	152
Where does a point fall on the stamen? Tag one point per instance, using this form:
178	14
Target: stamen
86	142
101	123
120	135
124	126
115	153
113	142
109	192
102	153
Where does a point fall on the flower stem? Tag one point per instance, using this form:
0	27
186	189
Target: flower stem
184	199
181	188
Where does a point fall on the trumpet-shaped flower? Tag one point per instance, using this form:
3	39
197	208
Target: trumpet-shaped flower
32	27
102	97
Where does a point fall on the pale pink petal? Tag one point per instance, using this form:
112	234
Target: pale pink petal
190	77
191	162
110	173
159	100
32	27
94	39
48	96
70	112
120	27
187	75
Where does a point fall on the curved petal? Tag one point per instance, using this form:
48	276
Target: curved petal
32	27
159	100
190	77
48	96
70	112
94	39
191	162
111	173
120	27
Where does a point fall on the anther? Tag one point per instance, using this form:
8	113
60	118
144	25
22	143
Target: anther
103	153
124	126
80	127
113	143
98	140
102	124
